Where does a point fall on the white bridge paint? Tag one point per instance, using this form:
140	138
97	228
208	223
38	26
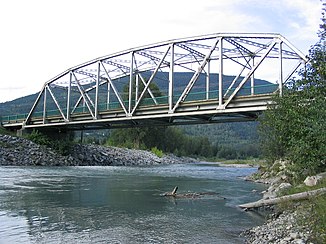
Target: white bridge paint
79	93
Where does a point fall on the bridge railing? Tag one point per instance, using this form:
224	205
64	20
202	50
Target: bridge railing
162	100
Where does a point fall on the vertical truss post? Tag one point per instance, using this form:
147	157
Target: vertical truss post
97	89
130	82
171	80
44	106
280	82
137	88
69	96
108	98
220	76
208	78
252	82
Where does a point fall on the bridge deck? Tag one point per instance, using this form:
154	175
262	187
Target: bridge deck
242	108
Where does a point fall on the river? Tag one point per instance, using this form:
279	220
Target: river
124	204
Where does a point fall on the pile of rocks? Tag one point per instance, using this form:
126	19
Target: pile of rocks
17	151
280	229
101	155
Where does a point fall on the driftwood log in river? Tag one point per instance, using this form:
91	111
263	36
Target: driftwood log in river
191	195
292	197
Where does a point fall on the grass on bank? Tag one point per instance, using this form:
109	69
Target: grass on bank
3	131
314	210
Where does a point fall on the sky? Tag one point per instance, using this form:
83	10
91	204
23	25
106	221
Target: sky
40	39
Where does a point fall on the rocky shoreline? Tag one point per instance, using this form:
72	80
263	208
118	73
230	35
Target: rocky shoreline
282	226
16	151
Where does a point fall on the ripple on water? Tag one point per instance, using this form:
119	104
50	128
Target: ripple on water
13	228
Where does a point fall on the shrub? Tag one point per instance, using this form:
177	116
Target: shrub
157	152
38	138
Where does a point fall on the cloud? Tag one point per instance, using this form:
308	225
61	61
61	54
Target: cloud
306	10
40	39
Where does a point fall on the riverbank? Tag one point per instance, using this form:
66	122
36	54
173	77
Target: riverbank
16	151
289	221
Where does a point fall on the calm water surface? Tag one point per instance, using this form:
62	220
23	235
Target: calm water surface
123	204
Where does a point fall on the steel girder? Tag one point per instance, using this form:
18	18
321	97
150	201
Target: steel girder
118	88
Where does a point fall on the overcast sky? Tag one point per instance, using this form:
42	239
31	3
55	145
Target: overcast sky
40	39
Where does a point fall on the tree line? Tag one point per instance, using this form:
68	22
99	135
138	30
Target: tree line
174	140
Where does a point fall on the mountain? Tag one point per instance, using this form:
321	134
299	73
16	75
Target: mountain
18	106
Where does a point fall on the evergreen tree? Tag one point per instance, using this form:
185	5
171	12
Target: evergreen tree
294	128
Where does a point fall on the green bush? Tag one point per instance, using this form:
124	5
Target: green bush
61	146
157	152
38	138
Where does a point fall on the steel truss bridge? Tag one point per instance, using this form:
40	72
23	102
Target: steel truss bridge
205	79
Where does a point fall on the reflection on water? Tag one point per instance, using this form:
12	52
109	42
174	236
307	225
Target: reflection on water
123	204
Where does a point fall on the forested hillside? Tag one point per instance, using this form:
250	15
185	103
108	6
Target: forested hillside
231	140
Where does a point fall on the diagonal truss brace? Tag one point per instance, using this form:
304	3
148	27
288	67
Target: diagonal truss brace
115	90
29	116
84	96
150	80
245	79
191	50
56	102
191	83
149	90
151	57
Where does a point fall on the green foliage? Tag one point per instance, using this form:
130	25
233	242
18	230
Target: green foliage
157	152
3	131
38	138
62	145
176	140
294	126
166	139
318	219
230	140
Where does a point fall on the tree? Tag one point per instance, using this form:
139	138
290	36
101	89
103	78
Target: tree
293	128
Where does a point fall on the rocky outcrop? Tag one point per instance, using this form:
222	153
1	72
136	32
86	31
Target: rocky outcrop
16	151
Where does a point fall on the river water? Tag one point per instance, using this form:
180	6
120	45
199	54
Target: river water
124	204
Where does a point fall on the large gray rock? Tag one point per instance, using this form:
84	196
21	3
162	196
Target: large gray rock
312	180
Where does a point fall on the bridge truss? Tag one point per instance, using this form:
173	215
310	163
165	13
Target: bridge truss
204	79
